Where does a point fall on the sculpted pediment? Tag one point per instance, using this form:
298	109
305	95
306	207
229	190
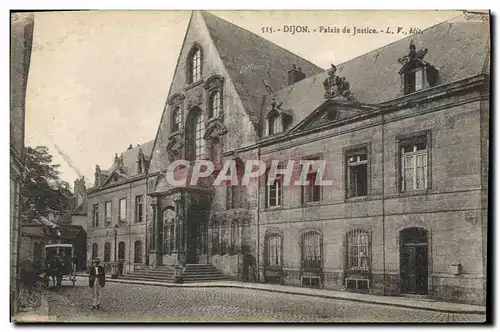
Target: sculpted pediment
331	112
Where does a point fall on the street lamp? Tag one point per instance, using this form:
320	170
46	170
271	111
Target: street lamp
114	266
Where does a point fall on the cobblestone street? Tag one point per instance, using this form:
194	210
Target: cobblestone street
138	303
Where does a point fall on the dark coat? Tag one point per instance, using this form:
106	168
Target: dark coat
101	276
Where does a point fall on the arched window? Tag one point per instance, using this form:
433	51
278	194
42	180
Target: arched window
273	245
310	249
121	250
95	253
194	65
107	252
196	142
176	119
138	252
215	108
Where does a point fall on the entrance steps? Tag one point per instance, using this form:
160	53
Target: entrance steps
192	273
201	273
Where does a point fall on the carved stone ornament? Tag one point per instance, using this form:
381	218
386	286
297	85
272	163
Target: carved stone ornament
215	129
176	99
195	100
213	82
276	107
413	55
174	147
337	87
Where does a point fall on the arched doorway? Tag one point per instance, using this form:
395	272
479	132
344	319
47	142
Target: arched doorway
414	260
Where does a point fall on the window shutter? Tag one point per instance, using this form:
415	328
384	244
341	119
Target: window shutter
346	253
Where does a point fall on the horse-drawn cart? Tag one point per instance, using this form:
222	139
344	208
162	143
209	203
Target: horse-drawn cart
59	264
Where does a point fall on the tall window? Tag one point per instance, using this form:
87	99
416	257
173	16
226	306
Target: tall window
215	104
311	192
121	250
357	173
107	213
274	250
123	210
414	164
274	124
275	192
168	232
195	66
199	140
237	193
95	215
233	237
358	250
95	252
137	252
107	252
413	80
310	244
222	240
177	119
138	209
215	239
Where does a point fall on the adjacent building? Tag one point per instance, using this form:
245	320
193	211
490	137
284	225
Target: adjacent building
116	229
22	25
403	132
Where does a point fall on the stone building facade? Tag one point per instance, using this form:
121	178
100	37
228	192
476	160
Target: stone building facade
116	213
22	25
401	133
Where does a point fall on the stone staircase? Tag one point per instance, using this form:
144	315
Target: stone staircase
192	273
160	273
202	273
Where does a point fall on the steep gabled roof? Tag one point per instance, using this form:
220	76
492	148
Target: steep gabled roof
457	48
249	59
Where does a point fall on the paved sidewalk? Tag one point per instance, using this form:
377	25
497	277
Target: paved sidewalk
397	301
34	314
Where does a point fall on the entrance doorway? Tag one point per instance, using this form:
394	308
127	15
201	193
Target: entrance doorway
414	260
197	235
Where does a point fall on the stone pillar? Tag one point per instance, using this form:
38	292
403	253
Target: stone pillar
153	244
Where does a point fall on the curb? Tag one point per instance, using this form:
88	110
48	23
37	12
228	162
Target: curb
284	291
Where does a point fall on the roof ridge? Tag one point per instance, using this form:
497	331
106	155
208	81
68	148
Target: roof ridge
204	12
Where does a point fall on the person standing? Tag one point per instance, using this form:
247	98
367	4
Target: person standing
97	272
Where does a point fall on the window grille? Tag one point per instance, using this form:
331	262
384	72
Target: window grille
311	255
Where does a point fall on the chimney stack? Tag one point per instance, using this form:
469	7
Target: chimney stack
295	75
130	147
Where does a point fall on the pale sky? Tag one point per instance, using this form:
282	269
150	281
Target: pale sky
98	81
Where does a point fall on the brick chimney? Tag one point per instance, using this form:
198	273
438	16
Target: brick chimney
295	75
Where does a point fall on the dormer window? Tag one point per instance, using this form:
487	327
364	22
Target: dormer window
194	65
416	73
414	80
278	119
176	119
274	124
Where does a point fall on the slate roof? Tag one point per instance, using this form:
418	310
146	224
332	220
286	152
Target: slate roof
249	59
457	48
130	158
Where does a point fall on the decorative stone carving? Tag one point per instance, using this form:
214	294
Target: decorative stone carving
213	82
176	99
413	54
337	87
194	101
175	147
215	129
276	107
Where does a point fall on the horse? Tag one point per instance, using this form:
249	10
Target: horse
55	269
